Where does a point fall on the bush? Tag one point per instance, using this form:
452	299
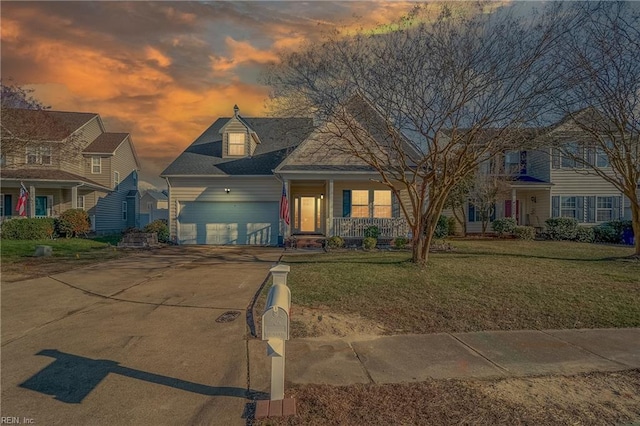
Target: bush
442	227
400	242
72	223
369	243
161	227
504	226
561	228
28	229
335	242
585	234
606	233
525	232
372	231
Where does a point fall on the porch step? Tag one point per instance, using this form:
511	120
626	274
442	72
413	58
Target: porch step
311	241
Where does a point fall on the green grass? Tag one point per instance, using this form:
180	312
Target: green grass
482	285
13	250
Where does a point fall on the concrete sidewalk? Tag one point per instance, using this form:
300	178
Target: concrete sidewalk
413	358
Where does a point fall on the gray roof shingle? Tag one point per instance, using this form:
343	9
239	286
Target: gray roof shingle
44	125
106	143
278	137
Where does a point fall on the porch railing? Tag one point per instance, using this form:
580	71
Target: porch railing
354	227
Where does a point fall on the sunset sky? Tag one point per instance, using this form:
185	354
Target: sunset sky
163	71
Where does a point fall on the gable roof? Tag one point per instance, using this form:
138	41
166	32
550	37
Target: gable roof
106	143
49	175
278	137
156	195
44	125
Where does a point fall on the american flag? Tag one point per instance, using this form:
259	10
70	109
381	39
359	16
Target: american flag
284	205
21	207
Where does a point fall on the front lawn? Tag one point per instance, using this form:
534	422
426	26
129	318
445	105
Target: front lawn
18	261
482	285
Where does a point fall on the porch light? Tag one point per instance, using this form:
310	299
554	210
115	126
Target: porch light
227	190
533	199
322	196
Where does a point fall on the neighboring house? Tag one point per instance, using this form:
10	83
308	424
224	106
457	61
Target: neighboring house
154	205
225	188
69	162
545	184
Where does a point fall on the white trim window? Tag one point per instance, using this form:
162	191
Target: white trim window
31	155
80	202
96	165
604	209
602	159
382	204
124	210
512	163
38	155
569	207
237	144
116	179
360	203
149	206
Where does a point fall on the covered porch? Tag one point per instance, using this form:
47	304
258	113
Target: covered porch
345	208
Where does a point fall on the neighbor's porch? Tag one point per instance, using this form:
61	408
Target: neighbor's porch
345	208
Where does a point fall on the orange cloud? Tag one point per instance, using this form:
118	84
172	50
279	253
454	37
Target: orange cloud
241	52
10	30
158	57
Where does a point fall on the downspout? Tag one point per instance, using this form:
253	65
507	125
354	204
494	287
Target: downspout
173	219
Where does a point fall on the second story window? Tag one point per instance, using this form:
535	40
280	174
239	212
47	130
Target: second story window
116	180
237	144
512	163
96	165
38	155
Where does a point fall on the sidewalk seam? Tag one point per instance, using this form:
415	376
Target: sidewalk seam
495	364
364	368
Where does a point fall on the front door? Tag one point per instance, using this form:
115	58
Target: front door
308	214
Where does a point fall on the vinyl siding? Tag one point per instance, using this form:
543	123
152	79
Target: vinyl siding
568	181
233	126
266	188
86	135
104	178
539	165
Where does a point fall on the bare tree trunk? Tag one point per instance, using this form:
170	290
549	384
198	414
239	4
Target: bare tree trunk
635	223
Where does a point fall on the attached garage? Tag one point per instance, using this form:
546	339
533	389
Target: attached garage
223	223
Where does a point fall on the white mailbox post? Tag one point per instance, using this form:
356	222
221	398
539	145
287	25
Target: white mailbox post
275	327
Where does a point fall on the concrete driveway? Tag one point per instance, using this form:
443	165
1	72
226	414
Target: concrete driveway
133	341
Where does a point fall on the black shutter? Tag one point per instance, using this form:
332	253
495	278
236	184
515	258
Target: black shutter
395	206
555	206
346	203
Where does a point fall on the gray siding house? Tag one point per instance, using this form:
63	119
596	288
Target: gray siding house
70	162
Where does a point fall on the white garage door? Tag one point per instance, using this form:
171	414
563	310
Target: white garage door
245	223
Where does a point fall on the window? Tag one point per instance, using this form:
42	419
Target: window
116	180
568	159
3	159
512	163
569	207
1	205
45	155
237	143
124	210
149	206
604	209
32	155
602	160
360	203
96	165
476	213
382	204
81	202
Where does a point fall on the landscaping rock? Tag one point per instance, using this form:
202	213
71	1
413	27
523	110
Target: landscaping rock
43	251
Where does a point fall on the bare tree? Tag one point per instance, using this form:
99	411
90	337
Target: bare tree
599	65
414	103
25	122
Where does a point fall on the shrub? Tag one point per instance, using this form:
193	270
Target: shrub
369	243
28	229
606	233
335	242
561	228
525	232
442	227
400	242
72	223
372	231
585	234
506	225
161	227
451	225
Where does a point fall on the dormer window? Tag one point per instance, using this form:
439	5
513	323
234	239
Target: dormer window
237	144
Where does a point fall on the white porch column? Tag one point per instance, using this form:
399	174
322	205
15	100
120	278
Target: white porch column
32	201
330	231
74	197
513	203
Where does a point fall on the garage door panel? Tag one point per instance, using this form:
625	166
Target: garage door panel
248	223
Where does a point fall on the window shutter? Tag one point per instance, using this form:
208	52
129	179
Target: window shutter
591	209
472	212
555	206
395	206
346	203
580	156
615	214
493	212
591	156
580	208
555	158
507	208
